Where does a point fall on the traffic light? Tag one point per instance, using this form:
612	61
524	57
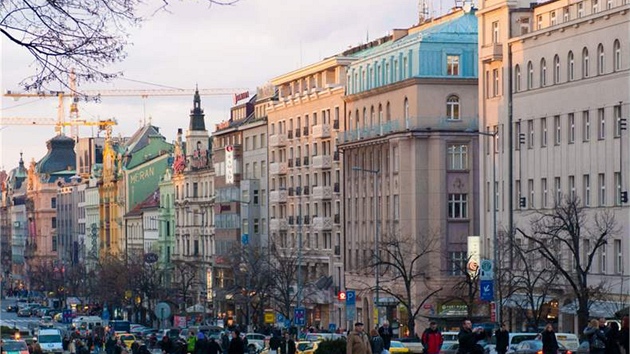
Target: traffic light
624	197
522	202
623	123
521	138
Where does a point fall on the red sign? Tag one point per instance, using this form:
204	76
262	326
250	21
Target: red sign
240	96
493	312
229	148
341	296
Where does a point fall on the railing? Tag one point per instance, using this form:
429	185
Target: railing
337	218
336	124
336	188
305	130
298	133
290	134
290	163
297	162
337	250
290	192
336	156
305	160
306	192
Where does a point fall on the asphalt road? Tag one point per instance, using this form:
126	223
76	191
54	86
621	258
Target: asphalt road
11	319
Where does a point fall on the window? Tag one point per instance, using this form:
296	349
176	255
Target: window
517	81
457	262
570	67
580	9
406	107
617	119
53	203
457	157
609	4
452	65
585	63
600	59
556	69
543	132
586	126
495	82
457	206
539	22
572	194
602	189
602	254
566	14
53	222
558	188
617	188
530	75
586	185
557	130
595	4
617	57
530	188
601	118
618	257
543	188
452	107
554	20
530	134
495	32
571	136
543	72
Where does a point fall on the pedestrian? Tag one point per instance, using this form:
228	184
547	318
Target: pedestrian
274	343
612	336
287	345
549	341
72	346
236	344
432	339
213	347
624	334
596	337
166	345
468	337
245	343
201	344
225	342
192	340
376	343
385	331
37	349
502	336
110	345
357	342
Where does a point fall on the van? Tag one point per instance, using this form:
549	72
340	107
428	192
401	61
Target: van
568	340
50	340
86	324
450	336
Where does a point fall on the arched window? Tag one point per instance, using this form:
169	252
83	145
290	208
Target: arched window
530	75
556	69
585	63
617	58
388	112
349	121
356	119
452	107
517	80
380	114
570	67
600	59
406	108
543	72
365	118
372	122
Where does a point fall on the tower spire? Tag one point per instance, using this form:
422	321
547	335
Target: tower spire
196	114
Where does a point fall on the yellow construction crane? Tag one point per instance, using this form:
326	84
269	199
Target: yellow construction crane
102	125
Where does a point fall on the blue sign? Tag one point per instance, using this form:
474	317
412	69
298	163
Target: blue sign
299	317
351	297
105	314
332	327
245	239
486	290
280	318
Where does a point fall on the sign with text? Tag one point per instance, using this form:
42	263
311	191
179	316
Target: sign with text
299	317
487	271
351	297
229	164
486	290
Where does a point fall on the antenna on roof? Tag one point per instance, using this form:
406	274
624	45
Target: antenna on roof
423	11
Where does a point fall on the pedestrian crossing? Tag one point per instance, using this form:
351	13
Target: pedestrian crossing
18	322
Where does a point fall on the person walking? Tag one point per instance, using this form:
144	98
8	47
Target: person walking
596	337
502	336
225	342
468	337
191	341
236	344
613	335
213	347
376	342
385	331
287	344
549	341
357	342
624	334
432	339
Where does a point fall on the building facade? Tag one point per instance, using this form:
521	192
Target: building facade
563	68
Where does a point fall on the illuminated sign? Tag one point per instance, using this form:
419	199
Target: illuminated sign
229	164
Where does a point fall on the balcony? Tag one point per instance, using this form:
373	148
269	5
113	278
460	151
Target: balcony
491	52
322	192
298	162
278	224
306	220
336	124
305	131
305	190
337	250
321	131
298	190
298	133
336	156
322	223
278	168
278	140
337	187
290	163
291	191
306	161
279	196
290	134
291	220
322	161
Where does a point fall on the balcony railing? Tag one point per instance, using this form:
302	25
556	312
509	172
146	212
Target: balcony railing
290	134
491	52
322	192
291	220
337	250
306	161
298	162
298	133
336	124
278	224
305	190
290	163
337	219
291	191
336	156
322	223
305	131
306	220
298	190
426	124
279	196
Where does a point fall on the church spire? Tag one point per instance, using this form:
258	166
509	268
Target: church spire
196	114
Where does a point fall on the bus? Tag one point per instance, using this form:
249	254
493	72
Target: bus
120	326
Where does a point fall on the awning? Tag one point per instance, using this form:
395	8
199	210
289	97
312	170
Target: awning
596	308
523	301
198	308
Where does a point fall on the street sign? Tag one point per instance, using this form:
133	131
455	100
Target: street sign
486	291
487	271
150	258
341	296
299	316
245	239
332	327
269	317
162	310
351	297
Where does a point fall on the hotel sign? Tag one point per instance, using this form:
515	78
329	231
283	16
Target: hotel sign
229	164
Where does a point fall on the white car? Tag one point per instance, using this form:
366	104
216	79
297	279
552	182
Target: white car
46	322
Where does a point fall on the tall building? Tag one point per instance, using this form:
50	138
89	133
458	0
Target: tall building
410	171
304	181
14	199
69	235
563	69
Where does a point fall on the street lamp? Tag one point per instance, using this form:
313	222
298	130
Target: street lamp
376	235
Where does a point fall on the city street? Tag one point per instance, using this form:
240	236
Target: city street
11	319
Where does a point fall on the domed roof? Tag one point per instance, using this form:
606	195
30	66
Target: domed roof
60	156
17	175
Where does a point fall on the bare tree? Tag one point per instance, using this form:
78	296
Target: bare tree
185	279
567	228
80	36
403	260
112	275
466	289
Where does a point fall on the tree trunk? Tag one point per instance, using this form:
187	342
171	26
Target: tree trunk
411	323
582	314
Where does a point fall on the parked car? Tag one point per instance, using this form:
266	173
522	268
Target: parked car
11	308
449	347
535	347
24	312
46	322
256	338
397	347
14	347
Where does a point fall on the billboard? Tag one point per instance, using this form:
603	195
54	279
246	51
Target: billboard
144	180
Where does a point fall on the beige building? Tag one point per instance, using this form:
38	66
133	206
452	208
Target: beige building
305	178
568	65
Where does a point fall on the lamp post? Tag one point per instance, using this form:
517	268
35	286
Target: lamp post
376	236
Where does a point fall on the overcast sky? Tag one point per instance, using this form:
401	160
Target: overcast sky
244	45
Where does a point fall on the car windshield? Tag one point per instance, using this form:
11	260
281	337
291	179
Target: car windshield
127	338
304	346
537	345
519	338
49	338
14	346
396	344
